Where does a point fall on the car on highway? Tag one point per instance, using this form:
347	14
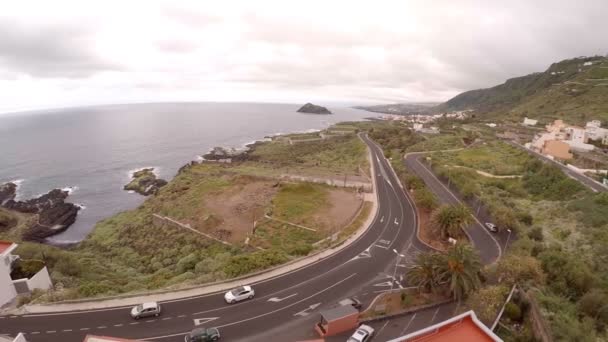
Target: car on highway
353	301
491	227
239	294
202	335
145	310
362	334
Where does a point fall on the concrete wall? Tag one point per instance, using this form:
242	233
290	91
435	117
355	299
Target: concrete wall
7	290
41	280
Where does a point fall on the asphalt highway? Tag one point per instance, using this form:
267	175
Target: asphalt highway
287	304
488	244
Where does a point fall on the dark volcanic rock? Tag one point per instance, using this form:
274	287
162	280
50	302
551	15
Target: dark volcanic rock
226	155
52	221
38	204
54	214
7	192
145	182
313	109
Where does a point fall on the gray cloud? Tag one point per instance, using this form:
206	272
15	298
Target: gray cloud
53	51
389	51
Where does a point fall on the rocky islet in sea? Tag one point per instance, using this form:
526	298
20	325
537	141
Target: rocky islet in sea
145	182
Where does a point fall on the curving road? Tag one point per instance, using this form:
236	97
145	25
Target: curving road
284	305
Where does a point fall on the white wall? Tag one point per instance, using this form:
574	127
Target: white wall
20	338
40	280
7	290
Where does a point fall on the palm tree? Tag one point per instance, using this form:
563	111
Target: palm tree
427	270
461	270
450	220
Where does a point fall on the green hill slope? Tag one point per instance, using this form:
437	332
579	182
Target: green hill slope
576	89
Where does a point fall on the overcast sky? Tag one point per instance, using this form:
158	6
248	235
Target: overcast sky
67	53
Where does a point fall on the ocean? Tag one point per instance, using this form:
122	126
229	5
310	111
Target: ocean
92	150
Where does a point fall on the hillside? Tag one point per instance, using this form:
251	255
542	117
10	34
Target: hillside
400	108
574	88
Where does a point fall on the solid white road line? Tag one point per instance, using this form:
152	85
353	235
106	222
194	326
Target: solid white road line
434	315
408	324
384	326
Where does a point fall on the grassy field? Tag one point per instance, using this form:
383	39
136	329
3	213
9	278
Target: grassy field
493	157
338	155
129	253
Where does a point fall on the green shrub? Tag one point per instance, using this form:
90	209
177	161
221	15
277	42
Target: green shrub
536	234
243	264
513	312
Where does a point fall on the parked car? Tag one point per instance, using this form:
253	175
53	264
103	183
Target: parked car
239	294
491	227
202	335
362	334
146	310
356	303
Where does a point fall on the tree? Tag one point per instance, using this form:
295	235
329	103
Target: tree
451	220
461	270
426	271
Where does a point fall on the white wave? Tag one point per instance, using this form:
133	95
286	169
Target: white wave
70	189
81	206
199	158
17	182
131	191
155	170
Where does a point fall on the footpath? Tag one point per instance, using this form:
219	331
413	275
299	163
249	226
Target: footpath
173	295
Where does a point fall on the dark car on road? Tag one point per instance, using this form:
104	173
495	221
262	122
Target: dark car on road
203	335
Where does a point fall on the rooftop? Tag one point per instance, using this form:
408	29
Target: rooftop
464	327
6	245
339	312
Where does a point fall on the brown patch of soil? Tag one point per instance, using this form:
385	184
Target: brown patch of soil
426	232
344	206
235	209
394	302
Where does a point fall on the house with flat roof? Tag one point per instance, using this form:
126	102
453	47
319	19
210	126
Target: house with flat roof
10	269
464	327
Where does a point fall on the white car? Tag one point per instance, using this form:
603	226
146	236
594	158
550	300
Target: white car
146	310
362	334
491	227
239	294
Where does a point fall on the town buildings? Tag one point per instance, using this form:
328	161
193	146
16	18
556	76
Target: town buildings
560	139
9	287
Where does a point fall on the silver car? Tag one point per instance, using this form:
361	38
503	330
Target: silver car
491	227
146	310
362	334
239	294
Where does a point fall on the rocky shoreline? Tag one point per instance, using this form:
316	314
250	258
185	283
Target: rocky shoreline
55	215
144	182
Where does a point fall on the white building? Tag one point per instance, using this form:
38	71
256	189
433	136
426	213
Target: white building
18	338
594	131
9	287
417	126
529	122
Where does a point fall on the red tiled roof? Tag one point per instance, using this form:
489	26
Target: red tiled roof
464	330
4	245
464	327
